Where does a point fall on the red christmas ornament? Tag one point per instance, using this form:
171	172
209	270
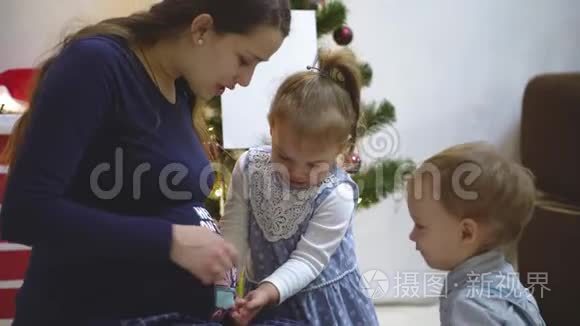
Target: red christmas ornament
343	35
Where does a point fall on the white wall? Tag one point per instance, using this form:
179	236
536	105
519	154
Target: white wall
455	71
30	28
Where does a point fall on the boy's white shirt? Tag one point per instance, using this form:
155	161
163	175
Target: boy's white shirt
326	230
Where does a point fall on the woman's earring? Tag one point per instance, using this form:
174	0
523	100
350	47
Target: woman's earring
200	41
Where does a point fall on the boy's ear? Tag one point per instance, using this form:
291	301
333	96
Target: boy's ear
272	126
469	230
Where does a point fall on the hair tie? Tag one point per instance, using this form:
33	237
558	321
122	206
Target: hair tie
336	77
315	66
320	72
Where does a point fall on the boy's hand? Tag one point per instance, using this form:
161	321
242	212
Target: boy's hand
247	308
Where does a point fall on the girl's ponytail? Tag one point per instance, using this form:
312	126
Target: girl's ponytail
341	66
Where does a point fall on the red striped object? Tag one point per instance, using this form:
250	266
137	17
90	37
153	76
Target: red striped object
13	258
14	264
7	304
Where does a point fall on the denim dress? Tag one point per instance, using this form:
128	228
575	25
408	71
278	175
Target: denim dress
278	217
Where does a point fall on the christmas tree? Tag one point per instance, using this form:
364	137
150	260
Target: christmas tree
377	179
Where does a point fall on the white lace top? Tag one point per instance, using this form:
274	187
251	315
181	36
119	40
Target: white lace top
325	231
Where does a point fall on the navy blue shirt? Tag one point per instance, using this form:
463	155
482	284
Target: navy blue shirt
106	167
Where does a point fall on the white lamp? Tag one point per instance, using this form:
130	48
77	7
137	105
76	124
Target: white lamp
8	104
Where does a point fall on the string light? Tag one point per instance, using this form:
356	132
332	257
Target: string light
219	192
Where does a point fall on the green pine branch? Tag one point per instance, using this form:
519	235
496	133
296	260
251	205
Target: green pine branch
374	117
302	4
367	74
330	17
382	179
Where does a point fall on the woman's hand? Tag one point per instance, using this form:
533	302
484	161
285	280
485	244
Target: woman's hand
203	253
247	308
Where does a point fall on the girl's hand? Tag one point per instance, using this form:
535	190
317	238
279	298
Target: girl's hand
203	253
247	308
